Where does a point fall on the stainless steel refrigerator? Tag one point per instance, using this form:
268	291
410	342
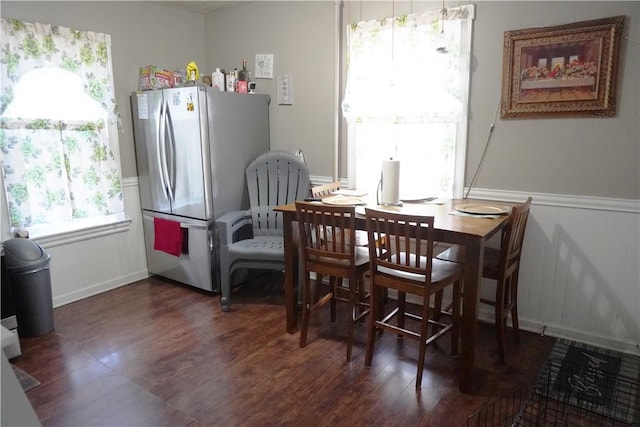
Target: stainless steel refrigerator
193	145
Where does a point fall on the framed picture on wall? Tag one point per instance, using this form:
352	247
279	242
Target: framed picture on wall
562	70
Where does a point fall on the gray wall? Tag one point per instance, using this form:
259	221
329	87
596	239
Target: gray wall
141	34
590	156
586	156
299	35
575	156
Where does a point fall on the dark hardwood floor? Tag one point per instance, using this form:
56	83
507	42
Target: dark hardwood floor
158	353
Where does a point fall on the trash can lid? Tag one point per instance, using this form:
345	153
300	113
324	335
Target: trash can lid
22	253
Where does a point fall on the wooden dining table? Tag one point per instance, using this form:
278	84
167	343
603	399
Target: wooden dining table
450	226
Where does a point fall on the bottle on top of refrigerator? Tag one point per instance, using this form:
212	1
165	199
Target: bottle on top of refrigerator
242	74
217	80
231	82
243	78
235	79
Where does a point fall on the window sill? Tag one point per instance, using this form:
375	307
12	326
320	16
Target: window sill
80	231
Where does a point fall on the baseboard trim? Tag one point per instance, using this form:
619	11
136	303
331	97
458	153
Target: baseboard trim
486	315
580	336
99	288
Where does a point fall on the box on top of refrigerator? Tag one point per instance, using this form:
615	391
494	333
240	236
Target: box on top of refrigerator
152	77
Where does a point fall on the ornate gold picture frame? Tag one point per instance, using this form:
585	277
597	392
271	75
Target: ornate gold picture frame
562	70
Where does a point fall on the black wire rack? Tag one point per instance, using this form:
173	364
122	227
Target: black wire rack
567	394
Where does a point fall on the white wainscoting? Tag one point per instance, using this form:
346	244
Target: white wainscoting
99	260
580	274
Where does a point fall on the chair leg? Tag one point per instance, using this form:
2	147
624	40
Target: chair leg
500	319
362	301
514	323
514	307
402	305
380	303
437	311
424	330
437	305
455	318
225	289
334	283
353	284
316	295
374	305
306	310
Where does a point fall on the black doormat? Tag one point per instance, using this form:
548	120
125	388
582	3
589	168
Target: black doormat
588	376
26	381
570	390
596	380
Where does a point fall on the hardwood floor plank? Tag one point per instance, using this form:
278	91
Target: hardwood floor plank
159	353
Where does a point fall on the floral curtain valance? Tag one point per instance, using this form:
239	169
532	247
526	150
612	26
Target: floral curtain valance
28	46
397	71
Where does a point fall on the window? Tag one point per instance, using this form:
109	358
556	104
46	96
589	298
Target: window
406	98
58	122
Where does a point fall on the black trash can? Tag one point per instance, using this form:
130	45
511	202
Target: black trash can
27	268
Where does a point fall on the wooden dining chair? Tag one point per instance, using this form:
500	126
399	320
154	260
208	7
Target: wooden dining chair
326	236
324	190
503	266
403	261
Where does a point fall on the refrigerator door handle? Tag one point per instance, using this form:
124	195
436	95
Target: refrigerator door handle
171	155
161	154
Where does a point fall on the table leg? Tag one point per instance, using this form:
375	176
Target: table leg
290	260
471	296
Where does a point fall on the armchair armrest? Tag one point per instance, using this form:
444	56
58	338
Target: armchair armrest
229	223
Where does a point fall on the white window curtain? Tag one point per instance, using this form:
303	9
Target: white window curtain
406	99
58	124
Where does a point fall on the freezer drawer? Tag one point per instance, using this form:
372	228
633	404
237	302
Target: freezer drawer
198	265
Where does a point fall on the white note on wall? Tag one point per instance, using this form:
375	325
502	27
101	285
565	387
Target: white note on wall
264	66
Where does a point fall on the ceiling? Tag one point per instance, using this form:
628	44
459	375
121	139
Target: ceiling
203	7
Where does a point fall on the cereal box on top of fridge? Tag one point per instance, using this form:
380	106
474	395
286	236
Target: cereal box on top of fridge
152	77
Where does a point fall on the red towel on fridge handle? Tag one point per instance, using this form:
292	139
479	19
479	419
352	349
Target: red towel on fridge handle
168	236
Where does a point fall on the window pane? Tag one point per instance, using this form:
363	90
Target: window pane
406	100
425	151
